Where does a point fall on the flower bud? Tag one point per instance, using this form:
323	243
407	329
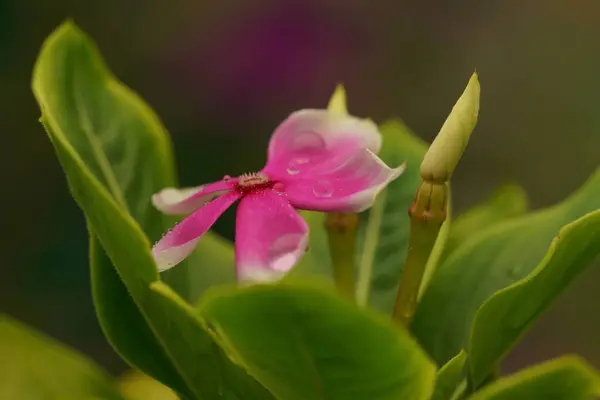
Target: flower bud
447	148
337	103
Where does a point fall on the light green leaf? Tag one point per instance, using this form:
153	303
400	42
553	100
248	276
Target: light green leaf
490	261
507	202
566	378
304	342
503	319
36	367
67	65
449	377
383	239
136	386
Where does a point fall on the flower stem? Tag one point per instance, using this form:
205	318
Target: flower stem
427	214
341	233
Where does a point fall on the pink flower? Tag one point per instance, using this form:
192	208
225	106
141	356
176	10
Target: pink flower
317	160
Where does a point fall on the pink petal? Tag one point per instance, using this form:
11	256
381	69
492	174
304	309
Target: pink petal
270	237
344	183
179	242
186	200
309	137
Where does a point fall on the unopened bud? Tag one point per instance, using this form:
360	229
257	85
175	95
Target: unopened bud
446	150
337	103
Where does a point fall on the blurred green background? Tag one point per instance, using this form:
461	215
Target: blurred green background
222	74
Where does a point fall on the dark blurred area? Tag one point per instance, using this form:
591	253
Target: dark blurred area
222	74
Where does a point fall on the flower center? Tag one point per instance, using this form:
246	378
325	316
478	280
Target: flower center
254	181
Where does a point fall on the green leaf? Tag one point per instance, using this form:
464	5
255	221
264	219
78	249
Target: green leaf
490	261
449	377
36	367
304	342
212	264
165	350
78	97
123	144
507	202
383	239
317	260
233	382
566	378
503	319
124	325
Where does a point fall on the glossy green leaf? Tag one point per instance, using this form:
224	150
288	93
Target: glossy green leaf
503	319
490	261
566	378
507	202
449	377
166	350
305	342
385	227
36	367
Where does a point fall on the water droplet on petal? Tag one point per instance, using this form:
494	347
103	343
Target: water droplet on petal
284	263
307	141
514	273
295	165
282	251
279	187
227	178
323	188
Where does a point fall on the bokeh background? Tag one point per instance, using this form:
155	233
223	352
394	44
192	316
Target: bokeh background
222	74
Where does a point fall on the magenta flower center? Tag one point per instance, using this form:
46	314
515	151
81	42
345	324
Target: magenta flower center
254	182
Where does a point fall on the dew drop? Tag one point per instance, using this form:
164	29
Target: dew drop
514	273
227	178
282	251
307	141
279	187
295	165
323	188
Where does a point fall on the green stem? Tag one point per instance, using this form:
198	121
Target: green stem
427	214
341	233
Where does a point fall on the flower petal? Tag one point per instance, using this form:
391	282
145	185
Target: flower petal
185	200
270	237
308	137
345	183
179	242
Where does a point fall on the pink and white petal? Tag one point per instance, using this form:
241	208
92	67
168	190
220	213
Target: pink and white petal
308	137
349	186
270	237
186	200
180	241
